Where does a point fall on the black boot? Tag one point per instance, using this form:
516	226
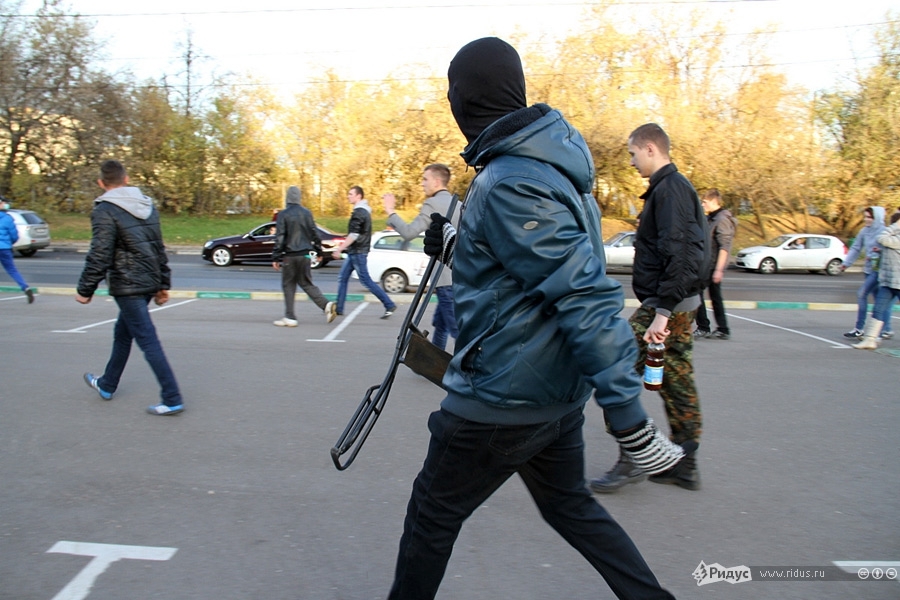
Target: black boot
684	474
623	473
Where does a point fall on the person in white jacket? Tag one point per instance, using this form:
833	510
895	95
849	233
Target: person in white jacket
888	282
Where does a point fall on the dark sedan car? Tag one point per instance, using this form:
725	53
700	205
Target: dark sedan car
256	246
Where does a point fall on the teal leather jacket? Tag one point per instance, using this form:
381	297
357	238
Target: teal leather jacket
539	320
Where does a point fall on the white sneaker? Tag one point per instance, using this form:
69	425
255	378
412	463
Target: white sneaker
330	312
285	322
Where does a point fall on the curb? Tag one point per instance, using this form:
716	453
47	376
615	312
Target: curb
407	299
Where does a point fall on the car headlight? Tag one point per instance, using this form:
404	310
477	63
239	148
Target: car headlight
208	244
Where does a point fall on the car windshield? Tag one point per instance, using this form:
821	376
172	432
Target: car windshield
777	241
612	239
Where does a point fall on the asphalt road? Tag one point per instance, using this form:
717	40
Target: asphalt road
190	272
237	497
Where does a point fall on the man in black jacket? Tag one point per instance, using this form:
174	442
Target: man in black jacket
722	226
671	258
295	238
356	245
127	250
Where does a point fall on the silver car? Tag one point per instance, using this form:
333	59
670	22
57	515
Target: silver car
34	233
619	249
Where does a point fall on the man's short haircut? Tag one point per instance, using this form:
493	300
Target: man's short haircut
895	217
712	193
441	170
650	132
358	191
112	172
868	210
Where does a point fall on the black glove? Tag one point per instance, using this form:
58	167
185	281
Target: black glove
440	238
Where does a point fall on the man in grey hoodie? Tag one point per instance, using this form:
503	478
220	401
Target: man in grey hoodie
127	250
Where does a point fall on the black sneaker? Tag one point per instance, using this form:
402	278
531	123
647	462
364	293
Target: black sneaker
700	334
623	473
720	335
854	334
388	312
30	293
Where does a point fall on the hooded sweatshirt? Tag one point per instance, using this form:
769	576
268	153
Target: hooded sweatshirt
866	240
126	246
295	229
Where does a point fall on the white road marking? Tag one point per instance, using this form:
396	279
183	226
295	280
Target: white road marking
104	555
344	323
14	298
92	325
833	343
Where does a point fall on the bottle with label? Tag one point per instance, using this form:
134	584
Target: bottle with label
875	257
653	366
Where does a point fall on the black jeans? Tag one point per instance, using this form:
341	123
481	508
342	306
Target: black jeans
718	305
468	461
296	270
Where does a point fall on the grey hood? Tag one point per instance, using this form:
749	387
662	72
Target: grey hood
130	199
293	195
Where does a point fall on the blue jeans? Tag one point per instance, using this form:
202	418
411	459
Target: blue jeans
134	324
6	259
883	301
868	288
444	319
360	264
468	461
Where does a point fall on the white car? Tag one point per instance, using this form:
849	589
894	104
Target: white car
809	251
34	233
396	264
619	249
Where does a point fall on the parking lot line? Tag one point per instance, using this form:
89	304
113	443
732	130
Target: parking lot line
832	343
92	325
344	323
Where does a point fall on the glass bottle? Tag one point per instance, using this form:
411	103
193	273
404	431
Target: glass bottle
653	366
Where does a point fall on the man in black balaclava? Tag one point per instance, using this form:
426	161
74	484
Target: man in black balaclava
486	83
539	333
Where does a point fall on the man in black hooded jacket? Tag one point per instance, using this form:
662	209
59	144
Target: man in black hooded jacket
295	238
540	332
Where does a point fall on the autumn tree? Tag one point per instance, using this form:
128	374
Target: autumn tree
863	125
58	114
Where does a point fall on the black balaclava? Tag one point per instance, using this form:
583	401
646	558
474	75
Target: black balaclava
486	83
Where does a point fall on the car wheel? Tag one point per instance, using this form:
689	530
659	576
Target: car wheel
28	252
317	261
768	266
394	282
222	256
834	267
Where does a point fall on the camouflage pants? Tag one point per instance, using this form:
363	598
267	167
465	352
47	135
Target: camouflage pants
678	390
